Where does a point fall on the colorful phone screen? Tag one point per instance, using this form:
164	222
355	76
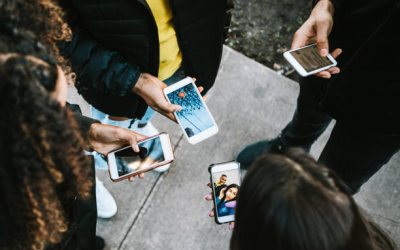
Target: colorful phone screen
226	186
194	116
310	59
129	161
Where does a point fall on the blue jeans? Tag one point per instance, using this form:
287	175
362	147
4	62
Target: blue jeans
353	154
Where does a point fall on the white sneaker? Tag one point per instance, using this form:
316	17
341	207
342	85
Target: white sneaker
106	206
150	130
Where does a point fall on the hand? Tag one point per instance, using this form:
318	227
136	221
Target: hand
221	193
150	88
232	204
317	29
106	138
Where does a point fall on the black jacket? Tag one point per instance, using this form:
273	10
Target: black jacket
366	93
116	40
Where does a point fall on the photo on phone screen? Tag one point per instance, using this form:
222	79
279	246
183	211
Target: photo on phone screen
129	161
226	186
194	116
310	59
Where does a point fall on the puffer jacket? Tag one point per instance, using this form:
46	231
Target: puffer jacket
117	40
366	93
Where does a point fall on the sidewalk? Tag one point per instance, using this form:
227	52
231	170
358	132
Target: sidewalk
249	102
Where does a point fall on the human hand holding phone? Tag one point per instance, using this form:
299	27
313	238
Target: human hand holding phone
317	29
231	204
150	88
106	138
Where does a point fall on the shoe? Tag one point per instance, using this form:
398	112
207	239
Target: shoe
251	152
99	243
150	130
106	206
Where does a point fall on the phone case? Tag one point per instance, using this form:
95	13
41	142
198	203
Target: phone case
145	170
213	189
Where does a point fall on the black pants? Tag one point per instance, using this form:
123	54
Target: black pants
353	154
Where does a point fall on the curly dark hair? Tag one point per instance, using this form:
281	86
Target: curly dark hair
42	161
44	18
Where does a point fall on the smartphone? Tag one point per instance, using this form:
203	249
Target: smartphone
225	181
154	152
195	119
307	60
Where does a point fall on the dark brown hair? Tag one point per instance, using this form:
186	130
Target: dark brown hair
42	161
292	202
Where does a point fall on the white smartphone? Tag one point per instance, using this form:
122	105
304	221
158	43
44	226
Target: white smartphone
307	60
155	151
225	181
195	119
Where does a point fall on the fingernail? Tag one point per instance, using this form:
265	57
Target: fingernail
205	196
340	52
324	52
136	148
335	71
326	76
208	214
229	226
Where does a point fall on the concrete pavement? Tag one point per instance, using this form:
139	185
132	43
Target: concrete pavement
249	102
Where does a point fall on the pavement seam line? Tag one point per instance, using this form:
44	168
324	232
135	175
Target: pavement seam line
159	179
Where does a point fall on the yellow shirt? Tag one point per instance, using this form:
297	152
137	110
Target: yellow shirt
170	54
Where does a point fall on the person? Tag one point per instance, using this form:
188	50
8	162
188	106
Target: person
220	185
227	194
363	98
124	54
45	19
289	201
45	179
125	58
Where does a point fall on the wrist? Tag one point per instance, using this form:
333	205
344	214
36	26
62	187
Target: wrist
144	77
92	134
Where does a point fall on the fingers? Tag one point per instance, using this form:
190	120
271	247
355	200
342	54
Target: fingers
300	39
231	225
194	79
131	179
200	89
303	35
208	197
209	184
211	213
324	74
323	29
141	176
336	53
334	70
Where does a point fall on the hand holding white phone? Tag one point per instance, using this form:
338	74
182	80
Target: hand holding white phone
195	118
308	61
153	152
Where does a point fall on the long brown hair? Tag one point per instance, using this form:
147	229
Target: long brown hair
42	161
292	202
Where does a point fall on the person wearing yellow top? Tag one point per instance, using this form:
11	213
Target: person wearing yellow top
170	54
125	52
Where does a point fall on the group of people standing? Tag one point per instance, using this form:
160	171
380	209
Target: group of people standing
122	54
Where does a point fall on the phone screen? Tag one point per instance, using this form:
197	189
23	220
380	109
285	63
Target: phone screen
129	161
310	59
194	116
226	186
